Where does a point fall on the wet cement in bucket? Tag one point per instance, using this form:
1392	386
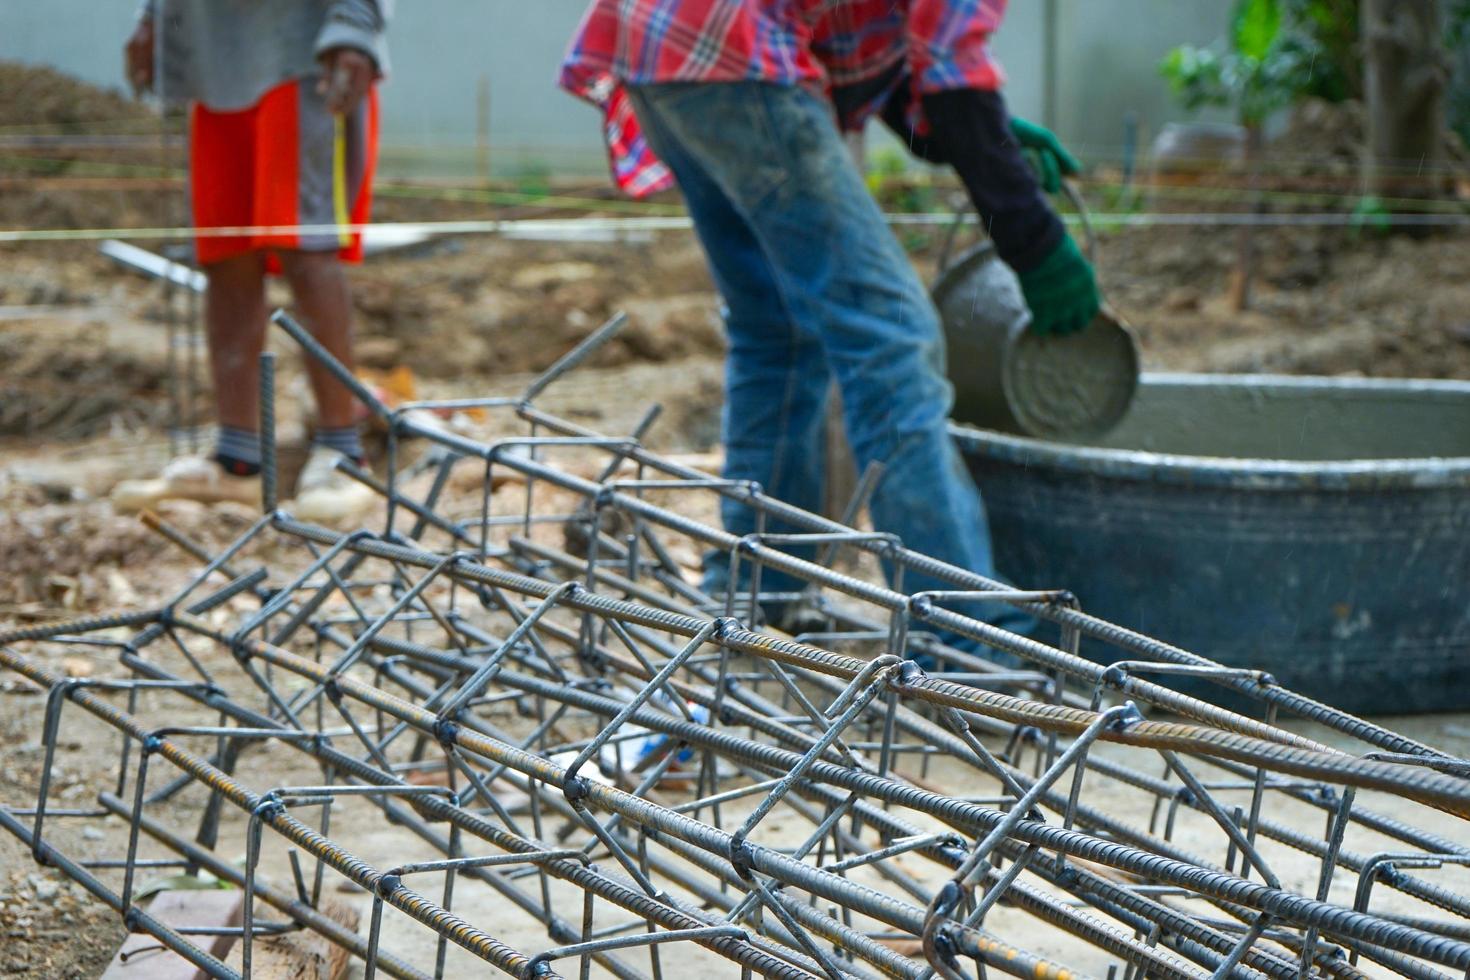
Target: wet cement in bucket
1072	386
1010	380
1315	528
1298	419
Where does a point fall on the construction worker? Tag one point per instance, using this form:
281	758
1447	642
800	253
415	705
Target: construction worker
282	135
734	100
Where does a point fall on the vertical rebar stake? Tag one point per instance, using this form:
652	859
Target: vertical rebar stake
268	432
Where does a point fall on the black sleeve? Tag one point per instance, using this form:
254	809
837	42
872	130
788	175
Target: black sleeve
896	117
851	100
971	131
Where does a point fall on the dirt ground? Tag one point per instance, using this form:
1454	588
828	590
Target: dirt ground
86	372
1325	303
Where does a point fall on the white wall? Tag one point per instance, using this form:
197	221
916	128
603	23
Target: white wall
440	50
1107	63
1109	52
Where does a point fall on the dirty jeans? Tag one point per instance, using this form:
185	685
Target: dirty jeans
816	287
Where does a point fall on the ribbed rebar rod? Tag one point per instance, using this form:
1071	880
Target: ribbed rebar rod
394	893
1298	910
1449	792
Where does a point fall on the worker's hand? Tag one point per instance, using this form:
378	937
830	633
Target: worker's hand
1061	291
1046	153
138	57
347	74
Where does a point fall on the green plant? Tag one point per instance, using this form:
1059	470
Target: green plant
1314	48
1457	23
1457	38
1259	70
885	166
533	179
1277	52
1262	68
896	186
1328	32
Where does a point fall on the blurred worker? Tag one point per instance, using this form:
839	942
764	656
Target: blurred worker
734	99
282	133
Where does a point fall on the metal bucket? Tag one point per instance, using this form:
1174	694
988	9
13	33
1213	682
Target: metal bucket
1317	528
1008	379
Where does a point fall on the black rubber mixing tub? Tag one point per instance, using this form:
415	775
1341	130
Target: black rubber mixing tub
1316	528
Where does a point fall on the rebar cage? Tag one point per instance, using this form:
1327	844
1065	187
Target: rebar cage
518	679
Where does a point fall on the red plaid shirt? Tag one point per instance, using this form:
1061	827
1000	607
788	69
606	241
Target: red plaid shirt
818	43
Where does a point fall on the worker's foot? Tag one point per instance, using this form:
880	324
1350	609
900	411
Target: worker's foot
797	617
187	478
326	495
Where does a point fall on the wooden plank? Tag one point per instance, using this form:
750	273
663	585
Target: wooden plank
300	955
142	957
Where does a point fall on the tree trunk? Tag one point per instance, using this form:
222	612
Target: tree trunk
1245	235
1405	75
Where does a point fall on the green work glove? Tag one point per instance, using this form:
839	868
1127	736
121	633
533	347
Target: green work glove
1046	153
1061	291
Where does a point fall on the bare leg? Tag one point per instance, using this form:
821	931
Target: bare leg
320	288
235	319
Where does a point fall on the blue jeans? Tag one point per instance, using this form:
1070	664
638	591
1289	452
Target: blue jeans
816	287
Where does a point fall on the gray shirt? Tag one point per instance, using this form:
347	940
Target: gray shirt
226	54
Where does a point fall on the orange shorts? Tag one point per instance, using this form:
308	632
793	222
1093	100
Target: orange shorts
286	164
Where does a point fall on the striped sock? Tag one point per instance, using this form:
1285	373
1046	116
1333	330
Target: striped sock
237	450
345	440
